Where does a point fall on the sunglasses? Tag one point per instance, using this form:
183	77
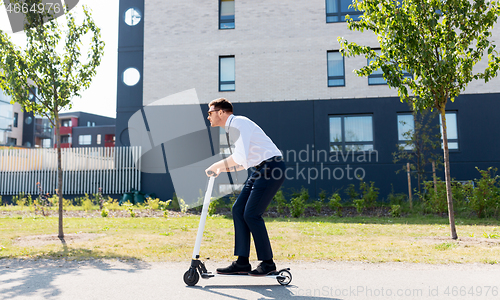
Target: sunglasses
211	111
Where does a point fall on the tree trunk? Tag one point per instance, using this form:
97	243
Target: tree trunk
449	196
59	175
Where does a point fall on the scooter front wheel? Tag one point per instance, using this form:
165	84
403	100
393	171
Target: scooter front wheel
191	277
284	277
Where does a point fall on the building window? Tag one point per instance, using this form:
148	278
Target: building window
226	74
85	139
65	139
11	141
132	16
66	123
451	130
336	72
406	125
131	76
226	14
226	188
98	139
377	77
46	143
351	133
336	10
16	117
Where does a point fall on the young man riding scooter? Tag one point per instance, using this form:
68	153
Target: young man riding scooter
253	149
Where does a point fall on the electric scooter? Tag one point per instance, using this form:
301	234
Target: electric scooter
197	269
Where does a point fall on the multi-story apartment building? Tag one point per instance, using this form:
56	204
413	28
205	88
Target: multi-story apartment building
11	122
279	63
78	129
81	129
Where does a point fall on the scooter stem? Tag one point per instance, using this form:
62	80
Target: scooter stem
203	218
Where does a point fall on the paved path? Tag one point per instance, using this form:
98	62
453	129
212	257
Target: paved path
321	280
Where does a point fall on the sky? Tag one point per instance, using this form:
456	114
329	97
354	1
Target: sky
100	97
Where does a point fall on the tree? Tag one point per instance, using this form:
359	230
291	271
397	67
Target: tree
439	42
420	148
52	64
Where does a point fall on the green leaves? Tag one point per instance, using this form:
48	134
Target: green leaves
440	41
57	75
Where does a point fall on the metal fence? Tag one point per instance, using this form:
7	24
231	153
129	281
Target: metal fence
85	170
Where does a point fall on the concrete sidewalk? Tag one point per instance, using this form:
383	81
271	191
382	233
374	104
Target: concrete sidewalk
136	280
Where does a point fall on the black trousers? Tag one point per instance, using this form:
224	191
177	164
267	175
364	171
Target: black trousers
259	190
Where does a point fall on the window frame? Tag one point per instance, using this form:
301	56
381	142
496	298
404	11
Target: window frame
328	69
43	143
65	139
220	74
226	21
81	139
16	120
402	143
343	143
457	140
371	76
340	14
66	123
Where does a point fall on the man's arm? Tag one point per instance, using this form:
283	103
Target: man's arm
225	165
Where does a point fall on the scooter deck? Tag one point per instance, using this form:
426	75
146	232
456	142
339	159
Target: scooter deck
274	275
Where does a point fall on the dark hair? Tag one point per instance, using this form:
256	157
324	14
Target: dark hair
222	104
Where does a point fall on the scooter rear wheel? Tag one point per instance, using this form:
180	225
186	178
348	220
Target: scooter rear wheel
189	279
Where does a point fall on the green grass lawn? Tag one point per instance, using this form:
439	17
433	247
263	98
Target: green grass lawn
370	239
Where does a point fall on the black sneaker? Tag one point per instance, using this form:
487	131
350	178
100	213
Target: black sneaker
263	269
235	268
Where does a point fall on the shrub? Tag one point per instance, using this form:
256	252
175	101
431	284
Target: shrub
104	212
163	205
369	193
174	204
152	203
461	195
232	199
130	208
182	205
99	199
280	200
297	206
335	204
351	192
435	202
318	204
1	200
359	204
20	200
298	203
485	198
54	201
87	204
212	207
395	211
322	196
112	204
397	199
